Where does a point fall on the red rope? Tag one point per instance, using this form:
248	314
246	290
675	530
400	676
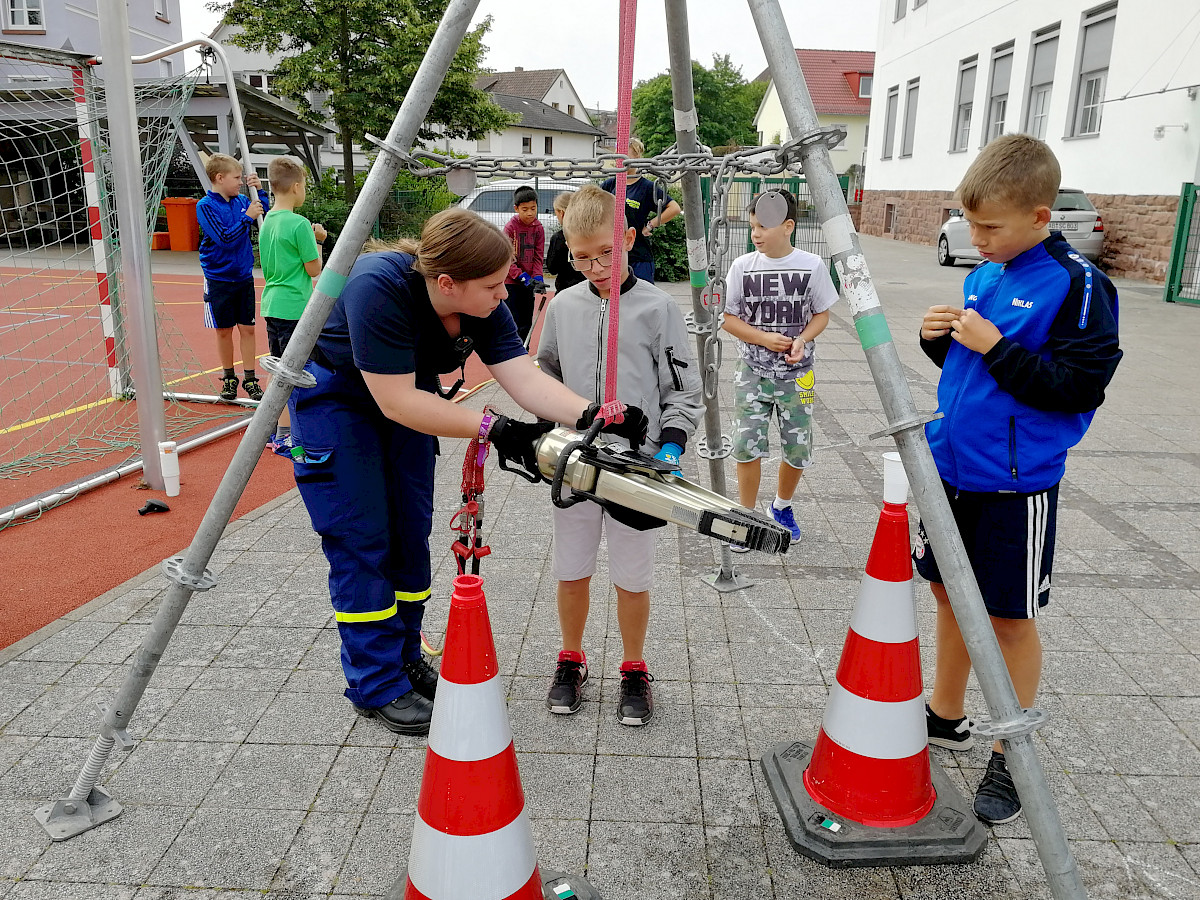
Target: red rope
611	409
466	521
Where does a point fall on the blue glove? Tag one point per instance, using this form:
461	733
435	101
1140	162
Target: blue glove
670	453
525	279
539	279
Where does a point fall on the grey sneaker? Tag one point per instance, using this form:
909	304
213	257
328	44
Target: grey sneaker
996	801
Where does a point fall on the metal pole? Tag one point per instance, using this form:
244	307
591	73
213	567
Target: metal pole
1008	721
135	245
683	98
87	805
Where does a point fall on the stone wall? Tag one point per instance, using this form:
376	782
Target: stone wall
1138	229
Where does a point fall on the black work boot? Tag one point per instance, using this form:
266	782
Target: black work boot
408	714
423	676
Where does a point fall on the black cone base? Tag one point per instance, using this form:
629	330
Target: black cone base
948	834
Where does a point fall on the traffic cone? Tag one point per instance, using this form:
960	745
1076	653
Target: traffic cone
471	836
867	794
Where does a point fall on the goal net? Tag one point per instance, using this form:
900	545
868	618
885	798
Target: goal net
65	368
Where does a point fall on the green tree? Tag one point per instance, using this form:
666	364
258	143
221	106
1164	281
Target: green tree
364	54
725	105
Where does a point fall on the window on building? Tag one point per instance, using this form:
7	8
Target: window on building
889	219
917	4
841	145
1041	81
889	121
549	145
1098	28
570	109
25	14
1002	58
484	144
900	8
555	104
168	67
964	103
256	81
527	143
910	118
864	85
162	10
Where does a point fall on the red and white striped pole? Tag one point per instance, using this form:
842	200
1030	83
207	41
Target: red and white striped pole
471	837
82	86
871	760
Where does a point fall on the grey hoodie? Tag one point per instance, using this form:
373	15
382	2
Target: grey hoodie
655	368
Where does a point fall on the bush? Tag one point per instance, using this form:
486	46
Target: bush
670	246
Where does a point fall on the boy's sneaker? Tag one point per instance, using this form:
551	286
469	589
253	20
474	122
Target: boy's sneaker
953	734
996	801
635	705
787	519
253	390
739	548
229	388
566	693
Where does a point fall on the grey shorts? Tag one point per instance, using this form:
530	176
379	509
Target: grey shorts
577	532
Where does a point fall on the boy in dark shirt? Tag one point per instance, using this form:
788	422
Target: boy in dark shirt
643	198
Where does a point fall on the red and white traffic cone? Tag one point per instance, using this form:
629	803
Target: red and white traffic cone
866	794
471	836
871	761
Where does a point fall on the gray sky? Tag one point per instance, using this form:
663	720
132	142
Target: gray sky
552	34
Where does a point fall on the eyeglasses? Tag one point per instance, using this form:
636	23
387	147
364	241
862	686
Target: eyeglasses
584	263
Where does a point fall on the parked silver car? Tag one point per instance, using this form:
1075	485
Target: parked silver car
493	200
1072	214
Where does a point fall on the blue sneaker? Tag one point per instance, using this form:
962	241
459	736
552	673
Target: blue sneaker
787	519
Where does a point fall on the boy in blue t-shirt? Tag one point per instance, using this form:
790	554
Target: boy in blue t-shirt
226	216
1024	366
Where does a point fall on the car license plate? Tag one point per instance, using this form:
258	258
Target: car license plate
1064	226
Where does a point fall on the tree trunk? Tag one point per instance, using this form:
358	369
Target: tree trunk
347	133
348	162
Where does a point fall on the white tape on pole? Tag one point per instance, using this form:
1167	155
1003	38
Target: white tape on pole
697	252
839	233
686	121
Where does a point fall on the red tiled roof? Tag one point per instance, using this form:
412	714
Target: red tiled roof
832	77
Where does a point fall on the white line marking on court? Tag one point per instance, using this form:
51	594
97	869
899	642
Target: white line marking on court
803	651
58	362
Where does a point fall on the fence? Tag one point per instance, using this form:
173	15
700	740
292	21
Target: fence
1183	272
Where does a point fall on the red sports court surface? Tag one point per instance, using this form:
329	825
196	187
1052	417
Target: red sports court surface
96	542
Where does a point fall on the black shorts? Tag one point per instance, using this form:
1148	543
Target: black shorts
1010	543
228	303
279	332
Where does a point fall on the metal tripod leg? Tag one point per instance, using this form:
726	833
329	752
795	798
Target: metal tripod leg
1011	722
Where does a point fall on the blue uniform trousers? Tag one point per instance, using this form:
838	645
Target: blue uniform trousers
368	485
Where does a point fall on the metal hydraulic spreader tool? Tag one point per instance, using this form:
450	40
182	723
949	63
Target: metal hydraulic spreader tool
624	481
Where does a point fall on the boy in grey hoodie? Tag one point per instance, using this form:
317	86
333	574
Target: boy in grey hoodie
655	372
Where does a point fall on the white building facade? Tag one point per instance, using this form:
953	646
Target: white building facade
1112	87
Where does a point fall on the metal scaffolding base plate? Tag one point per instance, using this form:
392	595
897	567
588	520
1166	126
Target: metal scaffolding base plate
949	834
65	818
555	886
727	584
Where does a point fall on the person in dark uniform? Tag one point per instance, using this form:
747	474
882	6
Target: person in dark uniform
643	198
365	439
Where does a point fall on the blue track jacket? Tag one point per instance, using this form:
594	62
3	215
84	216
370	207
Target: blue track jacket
1011	415
225	251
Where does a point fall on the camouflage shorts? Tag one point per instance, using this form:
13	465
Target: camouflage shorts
755	398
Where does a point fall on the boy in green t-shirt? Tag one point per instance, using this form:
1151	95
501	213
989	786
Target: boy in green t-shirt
289	248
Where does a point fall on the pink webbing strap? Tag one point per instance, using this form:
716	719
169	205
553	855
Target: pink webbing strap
612	409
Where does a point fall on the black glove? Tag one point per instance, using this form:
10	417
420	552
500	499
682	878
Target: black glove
634	428
515	441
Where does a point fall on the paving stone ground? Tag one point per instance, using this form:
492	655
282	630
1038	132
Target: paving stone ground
252	776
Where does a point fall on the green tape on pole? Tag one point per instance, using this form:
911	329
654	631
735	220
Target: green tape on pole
873	330
699	279
331	283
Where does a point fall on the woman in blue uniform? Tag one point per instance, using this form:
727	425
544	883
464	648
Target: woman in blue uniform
368	436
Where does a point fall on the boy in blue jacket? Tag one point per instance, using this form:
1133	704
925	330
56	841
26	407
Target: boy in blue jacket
227	261
1024	364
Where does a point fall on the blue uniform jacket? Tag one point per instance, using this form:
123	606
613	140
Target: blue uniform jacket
1011	415
225	251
